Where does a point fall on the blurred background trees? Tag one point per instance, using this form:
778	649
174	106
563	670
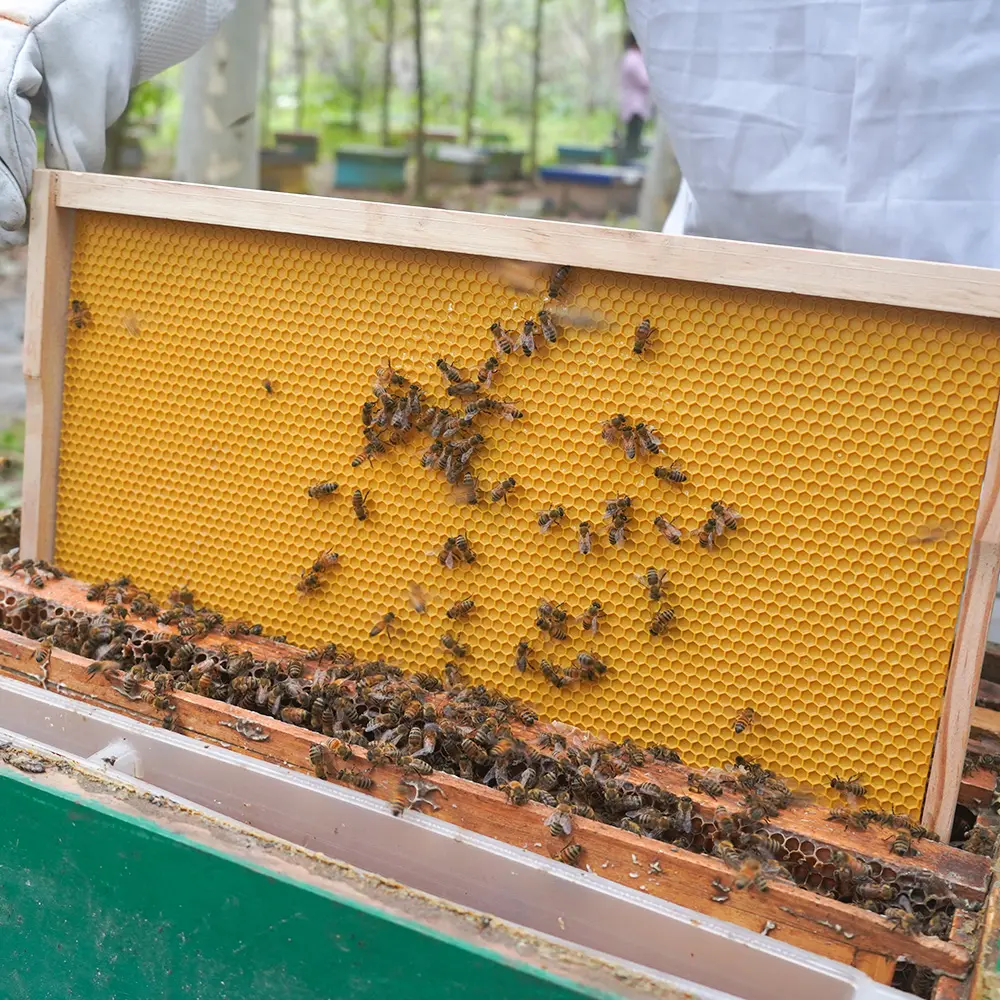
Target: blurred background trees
346	70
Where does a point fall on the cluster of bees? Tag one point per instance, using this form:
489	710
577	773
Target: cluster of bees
35	571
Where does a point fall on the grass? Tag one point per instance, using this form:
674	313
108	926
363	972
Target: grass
12	454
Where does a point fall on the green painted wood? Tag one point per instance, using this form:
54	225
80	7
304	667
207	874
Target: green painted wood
95	904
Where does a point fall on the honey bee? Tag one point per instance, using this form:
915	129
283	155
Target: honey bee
474	751
322	490
589	666
727	853
521	655
630	441
703	783
642	334
908	923
668	529
570	854
454	646
592	616
418	598
325	560
463	389
487	371
585	541
452	674
461	609
671	474
852	820
852	787
508	411
901	844
708	534
450	372
611	429
549	330
648	441
556	627
557	281
560	821
729	517
874	891
415	765
463	548
516	793
500	491
527	342
502	339
79	313
552	675
661	621
308	583
386	375
546	518
358	502
466	490
317	757
268	388
295	716
654	580
400	800
752	875
384	624
744	720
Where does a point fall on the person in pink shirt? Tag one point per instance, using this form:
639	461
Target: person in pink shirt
634	104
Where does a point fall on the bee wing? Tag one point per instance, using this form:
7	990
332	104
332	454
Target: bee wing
132	323
719	529
521	276
578	317
418	598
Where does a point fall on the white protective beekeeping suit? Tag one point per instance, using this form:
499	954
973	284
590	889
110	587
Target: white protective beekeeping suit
75	62
870	126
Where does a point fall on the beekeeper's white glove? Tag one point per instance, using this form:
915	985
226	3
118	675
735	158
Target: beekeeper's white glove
74	62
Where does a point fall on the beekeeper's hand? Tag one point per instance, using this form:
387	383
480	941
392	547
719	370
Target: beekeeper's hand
73	63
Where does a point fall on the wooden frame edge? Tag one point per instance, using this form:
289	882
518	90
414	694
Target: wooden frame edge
50	253
880	280
973	622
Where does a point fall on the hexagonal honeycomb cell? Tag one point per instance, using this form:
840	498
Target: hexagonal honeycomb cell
833	427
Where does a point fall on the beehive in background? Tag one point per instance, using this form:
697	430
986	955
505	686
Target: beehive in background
834	427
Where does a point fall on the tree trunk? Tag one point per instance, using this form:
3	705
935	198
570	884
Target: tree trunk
299	59
536	80
420	182
267	88
470	98
390	30
217	138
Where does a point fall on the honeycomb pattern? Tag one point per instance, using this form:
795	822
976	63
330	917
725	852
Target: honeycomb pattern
833	427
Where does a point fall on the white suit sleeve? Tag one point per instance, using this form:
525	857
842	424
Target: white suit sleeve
73	62
869	126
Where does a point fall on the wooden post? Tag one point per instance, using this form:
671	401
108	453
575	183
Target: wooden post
967	653
536	83
470	96
420	182
50	251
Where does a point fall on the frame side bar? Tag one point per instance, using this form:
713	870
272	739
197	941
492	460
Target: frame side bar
970	291
967	653
50	253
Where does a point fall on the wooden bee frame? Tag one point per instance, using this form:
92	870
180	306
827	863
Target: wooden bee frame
964	291
798	916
